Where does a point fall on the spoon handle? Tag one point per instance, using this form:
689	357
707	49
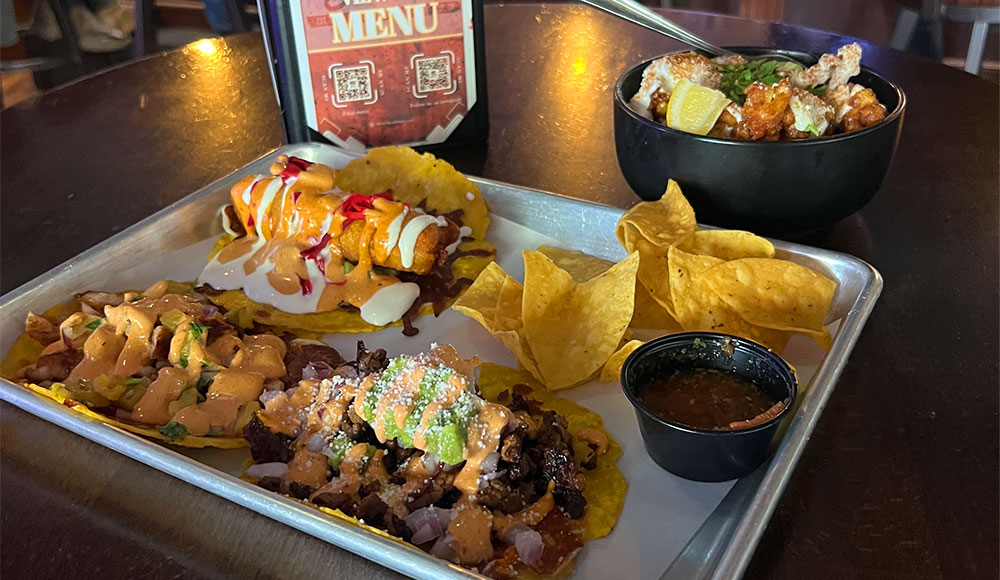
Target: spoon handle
638	14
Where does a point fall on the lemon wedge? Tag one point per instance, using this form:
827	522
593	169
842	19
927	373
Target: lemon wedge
693	108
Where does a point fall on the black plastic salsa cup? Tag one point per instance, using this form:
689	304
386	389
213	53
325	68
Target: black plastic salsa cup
707	454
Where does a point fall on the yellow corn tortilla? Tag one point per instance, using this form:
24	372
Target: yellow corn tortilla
189	441
341	320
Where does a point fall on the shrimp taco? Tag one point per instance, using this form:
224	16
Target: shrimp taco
392	235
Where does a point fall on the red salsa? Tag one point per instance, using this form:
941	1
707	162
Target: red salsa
708	399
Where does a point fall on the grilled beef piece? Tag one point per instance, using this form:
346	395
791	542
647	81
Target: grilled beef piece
568	494
355	428
333	499
369	362
300	353
270	483
266	445
55	366
508	497
218	327
433	490
375	512
395	459
510	445
299	491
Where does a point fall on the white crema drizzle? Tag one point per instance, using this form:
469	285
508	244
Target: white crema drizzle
385	306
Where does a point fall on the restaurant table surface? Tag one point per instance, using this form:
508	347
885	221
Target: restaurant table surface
899	479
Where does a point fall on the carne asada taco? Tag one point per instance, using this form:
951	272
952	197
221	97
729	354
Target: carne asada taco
494	474
392	235
163	363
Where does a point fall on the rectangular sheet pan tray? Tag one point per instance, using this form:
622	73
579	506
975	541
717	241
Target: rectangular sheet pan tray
721	548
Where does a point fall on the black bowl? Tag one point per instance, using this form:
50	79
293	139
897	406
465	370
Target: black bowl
707	454
775	188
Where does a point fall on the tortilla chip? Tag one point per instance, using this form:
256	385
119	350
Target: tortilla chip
574	329
699	307
648	313
613	368
774	293
580	266
413	178
662	223
727	244
189	441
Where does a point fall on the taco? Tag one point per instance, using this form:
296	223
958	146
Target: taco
493	474
315	249
163	363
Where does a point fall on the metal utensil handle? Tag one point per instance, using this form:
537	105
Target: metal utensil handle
638	14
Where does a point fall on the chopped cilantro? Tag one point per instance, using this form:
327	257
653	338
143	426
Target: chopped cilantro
203	382
174	430
183	361
737	77
93	325
133	381
197	329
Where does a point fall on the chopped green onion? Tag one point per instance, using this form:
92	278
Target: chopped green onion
93	325
174	430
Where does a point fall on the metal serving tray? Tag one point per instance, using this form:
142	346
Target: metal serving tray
720	548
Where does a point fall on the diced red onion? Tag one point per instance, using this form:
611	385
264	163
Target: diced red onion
211	310
489	463
443	547
290	392
274	385
67	340
430	461
526	541
445	516
274	469
425	525
485	479
327	450
266	396
316	443
316	370
88	309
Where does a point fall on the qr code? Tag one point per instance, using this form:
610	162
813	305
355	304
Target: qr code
433	74
353	84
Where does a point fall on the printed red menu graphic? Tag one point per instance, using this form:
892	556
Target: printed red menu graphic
384	72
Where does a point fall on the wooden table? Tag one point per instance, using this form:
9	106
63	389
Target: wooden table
899	480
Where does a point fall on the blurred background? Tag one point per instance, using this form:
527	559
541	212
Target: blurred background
46	43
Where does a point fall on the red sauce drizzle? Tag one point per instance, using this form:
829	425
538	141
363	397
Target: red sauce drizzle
307	286
295	166
353	208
